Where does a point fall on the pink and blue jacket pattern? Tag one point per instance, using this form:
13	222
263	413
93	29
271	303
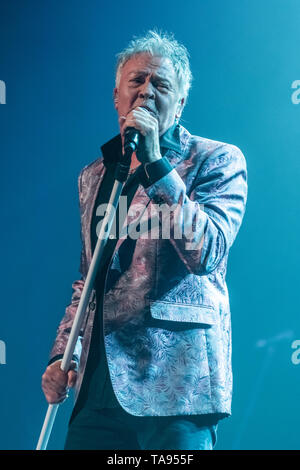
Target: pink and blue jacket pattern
166	312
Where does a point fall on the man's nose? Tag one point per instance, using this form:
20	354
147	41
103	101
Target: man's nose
146	91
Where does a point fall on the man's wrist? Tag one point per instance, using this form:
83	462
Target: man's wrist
155	170
153	159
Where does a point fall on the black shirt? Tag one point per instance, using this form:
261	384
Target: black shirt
96	391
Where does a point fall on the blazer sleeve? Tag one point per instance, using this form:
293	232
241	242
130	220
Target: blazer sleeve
64	328
209	219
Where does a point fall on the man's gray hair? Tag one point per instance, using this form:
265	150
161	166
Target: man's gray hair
163	45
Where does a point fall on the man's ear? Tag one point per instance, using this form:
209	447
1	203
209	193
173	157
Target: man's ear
116	97
179	108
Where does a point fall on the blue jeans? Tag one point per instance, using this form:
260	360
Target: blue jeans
114	428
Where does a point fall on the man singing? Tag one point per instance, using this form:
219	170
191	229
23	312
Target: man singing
152	366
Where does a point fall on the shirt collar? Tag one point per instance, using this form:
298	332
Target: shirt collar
170	140
112	150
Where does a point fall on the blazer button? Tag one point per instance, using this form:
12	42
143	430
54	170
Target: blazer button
92	305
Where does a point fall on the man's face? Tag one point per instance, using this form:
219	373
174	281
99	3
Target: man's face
149	81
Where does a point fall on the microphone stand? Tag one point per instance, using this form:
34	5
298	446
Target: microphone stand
120	178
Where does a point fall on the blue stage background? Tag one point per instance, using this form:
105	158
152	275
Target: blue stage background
58	61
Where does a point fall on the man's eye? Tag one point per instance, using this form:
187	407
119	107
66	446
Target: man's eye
136	80
162	85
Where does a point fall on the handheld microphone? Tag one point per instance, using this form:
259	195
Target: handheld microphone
131	139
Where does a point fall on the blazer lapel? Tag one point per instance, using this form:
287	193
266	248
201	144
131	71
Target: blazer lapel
95	179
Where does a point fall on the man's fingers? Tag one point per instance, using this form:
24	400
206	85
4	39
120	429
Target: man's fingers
54	377
142	120
72	376
54	380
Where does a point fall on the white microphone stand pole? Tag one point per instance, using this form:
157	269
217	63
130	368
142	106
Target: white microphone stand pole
120	178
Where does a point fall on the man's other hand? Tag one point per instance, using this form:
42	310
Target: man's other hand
56	383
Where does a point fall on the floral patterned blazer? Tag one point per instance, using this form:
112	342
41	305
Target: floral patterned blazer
166	312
